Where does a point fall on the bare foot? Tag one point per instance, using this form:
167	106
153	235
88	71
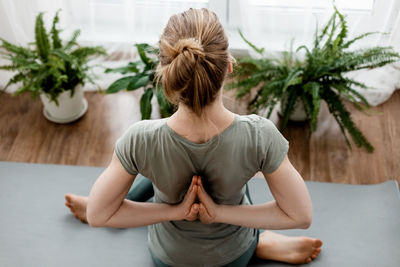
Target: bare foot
294	250
77	205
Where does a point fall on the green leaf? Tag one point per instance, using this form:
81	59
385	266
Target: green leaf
9	67
19	77
166	108
145	103
258	50
288	107
45	65
343	118
359	37
315	76
42	40
119	85
16	50
293	78
55	32
142	53
84	53
313	89
131	67
139	82
72	40
343	32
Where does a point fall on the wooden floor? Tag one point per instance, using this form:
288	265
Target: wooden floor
26	136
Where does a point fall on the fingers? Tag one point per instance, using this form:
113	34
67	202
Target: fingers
192	188
203	211
204	215
198	180
203	196
194	181
191	195
194	211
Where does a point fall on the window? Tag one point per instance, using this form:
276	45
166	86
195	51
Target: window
352	5
274	23
125	21
267	23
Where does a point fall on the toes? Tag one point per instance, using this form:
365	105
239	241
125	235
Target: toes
71	208
316	253
317	243
308	260
68	197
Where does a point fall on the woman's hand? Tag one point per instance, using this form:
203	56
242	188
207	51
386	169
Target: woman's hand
187	209
207	207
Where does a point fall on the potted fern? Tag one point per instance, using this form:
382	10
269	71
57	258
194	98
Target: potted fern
301	83
51	69
140	74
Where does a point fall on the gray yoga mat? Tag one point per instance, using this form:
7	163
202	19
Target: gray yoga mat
359	224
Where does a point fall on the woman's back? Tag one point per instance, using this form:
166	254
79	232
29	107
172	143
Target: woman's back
226	162
194	62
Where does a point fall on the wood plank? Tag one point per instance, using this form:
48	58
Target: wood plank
26	136
391	137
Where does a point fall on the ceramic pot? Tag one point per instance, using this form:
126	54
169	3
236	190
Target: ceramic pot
69	108
299	114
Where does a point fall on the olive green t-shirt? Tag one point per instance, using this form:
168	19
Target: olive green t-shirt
226	163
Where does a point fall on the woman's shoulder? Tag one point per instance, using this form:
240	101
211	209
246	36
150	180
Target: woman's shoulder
255	121
146	125
144	128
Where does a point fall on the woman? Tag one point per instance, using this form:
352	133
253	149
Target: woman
199	161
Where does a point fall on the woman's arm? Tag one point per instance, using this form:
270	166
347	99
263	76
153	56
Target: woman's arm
290	209
107	205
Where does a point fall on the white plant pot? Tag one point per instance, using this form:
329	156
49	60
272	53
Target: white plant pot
69	108
299	114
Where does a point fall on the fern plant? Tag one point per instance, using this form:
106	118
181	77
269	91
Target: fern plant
48	65
319	76
141	74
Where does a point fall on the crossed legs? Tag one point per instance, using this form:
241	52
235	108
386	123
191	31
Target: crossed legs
271	246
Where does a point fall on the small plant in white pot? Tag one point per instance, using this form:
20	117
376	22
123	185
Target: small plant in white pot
52	69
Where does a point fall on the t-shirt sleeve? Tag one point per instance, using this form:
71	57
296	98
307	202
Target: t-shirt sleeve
272	146
125	150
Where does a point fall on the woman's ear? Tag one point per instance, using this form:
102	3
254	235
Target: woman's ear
230	66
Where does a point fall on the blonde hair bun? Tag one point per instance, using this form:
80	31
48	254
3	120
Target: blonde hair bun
188	47
194	58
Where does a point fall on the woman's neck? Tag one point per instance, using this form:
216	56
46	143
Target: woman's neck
199	129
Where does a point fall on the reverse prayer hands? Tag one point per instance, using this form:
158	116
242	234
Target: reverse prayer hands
206	210
188	209
207	207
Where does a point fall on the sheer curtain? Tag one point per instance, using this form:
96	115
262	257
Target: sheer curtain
118	24
114	24
17	20
274	23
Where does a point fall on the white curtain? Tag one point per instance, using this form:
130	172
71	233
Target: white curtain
118	24
114	24
274	23
17	19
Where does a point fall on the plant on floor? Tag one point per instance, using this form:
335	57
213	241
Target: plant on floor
49	65
141	74
319	76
